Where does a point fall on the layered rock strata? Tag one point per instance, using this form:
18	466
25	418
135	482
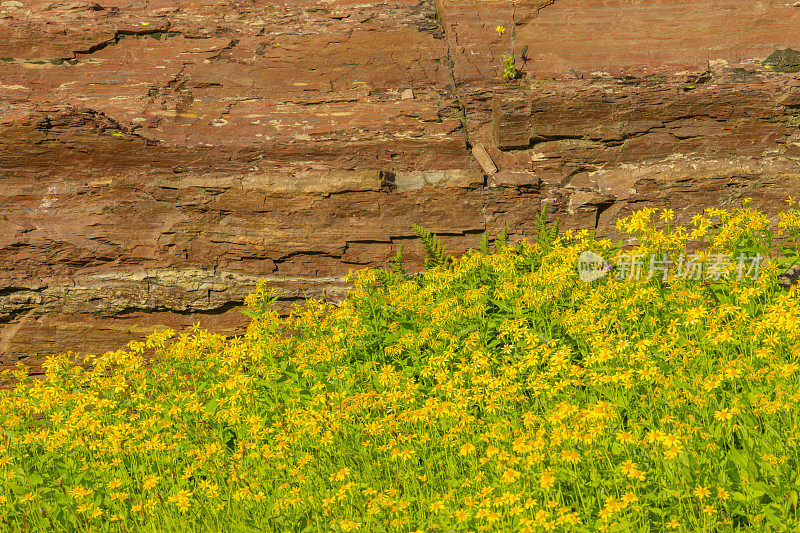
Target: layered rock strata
156	160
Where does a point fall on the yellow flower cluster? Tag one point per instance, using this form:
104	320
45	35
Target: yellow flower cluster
500	393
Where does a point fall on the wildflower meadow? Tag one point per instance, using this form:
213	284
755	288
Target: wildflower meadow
492	392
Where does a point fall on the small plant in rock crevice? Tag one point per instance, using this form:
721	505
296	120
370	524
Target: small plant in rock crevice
509	68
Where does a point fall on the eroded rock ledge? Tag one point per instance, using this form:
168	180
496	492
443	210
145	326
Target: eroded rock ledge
157	160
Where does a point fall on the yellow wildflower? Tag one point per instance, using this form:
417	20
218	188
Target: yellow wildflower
547	479
701	492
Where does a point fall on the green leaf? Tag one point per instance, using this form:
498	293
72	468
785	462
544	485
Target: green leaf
755	490
211	406
738	497
397	265
484	247
434	249
467	330
502	239
502	305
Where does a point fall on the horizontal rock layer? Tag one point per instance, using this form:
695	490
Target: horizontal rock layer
156	161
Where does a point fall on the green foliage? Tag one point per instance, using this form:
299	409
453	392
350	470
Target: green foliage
789	229
260	301
484	246
397	264
509	69
545	237
502	240
434	249
385	278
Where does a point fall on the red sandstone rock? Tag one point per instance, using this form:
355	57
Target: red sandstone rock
157	160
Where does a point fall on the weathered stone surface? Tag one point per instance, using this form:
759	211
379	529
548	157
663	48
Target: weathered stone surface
483	159
632	105
517	179
157	160
511	118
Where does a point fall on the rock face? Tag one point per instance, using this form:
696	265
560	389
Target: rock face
156	160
